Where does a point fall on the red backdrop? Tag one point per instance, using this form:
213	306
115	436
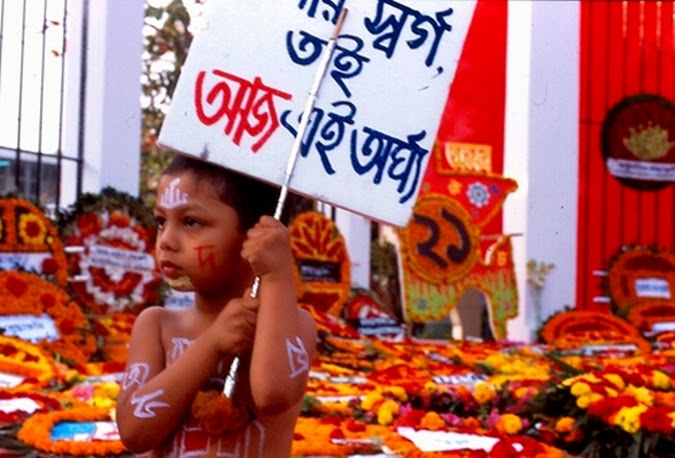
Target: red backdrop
626	49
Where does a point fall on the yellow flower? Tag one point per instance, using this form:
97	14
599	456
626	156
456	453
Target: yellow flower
587	399
398	392
371	399
628	418
509	424
615	380
580	389
565	424
432	421
386	412
661	380
32	229
483	392
641	394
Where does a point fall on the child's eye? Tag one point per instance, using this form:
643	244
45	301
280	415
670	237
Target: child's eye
190	222
159	221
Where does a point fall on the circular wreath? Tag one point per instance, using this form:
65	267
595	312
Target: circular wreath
29	361
24	228
119	223
632	264
636	135
440	243
318	246
36	432
23	293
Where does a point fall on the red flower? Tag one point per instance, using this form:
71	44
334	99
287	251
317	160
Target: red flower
48	300
67	327
516	447
355	426
337	433
50	266
16	286
657	420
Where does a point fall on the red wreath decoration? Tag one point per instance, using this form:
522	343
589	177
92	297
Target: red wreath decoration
121	224
24	228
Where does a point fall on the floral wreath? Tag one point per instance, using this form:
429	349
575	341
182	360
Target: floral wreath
24	359
634	263
572	329
440	244
26	293
24	228
116	269
36	432
317	245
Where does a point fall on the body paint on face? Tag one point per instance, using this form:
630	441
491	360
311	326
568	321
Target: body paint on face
297	357
206	256
145	406
173	196
136	374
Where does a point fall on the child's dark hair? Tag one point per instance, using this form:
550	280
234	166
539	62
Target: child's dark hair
249	197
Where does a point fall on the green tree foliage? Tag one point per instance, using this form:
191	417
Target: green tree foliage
166	42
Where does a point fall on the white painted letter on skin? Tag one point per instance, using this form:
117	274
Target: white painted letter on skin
297	357
145	406
136	374
173	196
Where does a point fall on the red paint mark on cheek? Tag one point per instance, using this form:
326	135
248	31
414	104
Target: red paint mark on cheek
206	256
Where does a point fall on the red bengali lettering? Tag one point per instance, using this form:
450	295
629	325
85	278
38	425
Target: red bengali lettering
248	106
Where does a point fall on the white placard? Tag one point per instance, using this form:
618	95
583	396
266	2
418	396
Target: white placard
31	328
10	380
18	403
439	441
652	287
252	67
109	257
25	261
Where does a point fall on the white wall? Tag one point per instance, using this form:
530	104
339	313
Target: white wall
541	150
112	108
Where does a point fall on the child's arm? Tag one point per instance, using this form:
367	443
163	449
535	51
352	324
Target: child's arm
155	398
285	337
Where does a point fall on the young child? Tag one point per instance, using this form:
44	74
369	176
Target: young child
214	238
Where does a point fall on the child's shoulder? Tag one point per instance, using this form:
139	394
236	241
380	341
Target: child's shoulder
157	315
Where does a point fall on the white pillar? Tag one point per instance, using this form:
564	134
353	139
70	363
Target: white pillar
112	119
541	150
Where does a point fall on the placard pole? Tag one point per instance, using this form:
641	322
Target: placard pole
231	379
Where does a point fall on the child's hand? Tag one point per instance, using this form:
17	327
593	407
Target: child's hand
233	330
267	247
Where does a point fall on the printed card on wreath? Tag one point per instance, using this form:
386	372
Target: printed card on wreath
251	70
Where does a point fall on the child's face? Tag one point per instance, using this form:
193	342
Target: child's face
198	237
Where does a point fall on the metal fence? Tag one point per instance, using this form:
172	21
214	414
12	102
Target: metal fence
42	94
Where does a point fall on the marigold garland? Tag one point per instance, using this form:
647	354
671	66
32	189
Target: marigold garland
24	228
23	293
216	413
36	432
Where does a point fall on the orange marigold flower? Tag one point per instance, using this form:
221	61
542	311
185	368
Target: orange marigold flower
509	424
565	424
432	421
